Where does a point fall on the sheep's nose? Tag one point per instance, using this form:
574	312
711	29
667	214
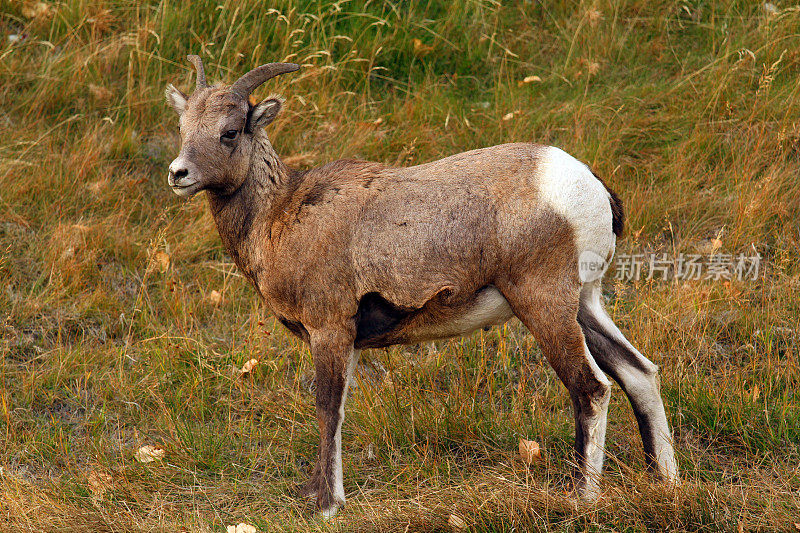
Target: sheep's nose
178	173
178	170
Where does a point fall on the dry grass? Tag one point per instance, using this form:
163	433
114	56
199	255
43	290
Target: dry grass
113	336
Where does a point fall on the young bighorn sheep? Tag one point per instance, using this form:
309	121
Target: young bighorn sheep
355	255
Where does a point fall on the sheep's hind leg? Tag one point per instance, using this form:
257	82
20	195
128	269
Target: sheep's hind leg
638	377
550	314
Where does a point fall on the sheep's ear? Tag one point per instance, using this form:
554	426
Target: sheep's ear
262	114
176	99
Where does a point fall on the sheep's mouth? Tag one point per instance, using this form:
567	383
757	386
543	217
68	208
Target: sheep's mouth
185	190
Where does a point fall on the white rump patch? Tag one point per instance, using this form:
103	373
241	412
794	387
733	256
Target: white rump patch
570	188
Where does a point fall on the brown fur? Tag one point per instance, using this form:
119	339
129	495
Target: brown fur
357	254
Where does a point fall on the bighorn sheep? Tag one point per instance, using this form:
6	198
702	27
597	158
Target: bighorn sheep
355	255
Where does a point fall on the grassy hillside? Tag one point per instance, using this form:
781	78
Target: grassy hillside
123	322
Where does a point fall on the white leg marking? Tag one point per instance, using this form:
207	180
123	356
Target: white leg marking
596	424
330	512
338	478
642	387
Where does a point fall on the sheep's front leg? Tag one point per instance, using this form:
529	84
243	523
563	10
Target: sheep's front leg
334	361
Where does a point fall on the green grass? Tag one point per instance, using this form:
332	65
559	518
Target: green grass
112	339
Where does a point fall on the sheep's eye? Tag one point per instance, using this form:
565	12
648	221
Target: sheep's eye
230	135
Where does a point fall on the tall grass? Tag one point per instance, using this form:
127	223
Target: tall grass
124	323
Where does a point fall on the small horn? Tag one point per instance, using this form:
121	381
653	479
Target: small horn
201	73
247	83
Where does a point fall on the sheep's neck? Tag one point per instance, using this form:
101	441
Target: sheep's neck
244	218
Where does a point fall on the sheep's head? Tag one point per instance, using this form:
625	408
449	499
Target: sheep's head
217	126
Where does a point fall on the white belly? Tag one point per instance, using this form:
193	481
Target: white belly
489	309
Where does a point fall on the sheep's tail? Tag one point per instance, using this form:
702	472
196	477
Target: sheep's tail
617	209
617	213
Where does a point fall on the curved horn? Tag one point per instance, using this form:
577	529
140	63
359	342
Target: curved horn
201	73
247	83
